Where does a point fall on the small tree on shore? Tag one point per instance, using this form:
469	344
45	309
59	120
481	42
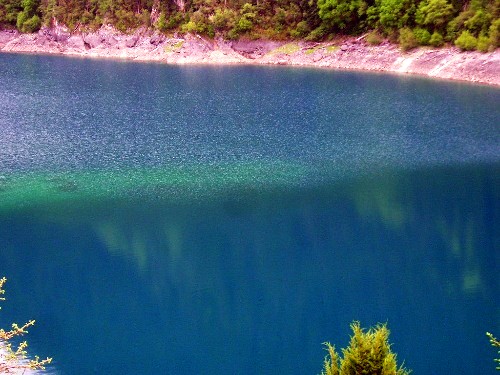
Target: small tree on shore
495	343
12	359
369	352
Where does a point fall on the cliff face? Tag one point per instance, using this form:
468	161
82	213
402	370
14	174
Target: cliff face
348	54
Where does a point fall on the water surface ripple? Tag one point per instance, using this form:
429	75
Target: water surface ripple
219	220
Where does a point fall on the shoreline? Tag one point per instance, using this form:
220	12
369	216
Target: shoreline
348	54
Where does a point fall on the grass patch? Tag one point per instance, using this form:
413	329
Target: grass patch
174	47
326	49
286	49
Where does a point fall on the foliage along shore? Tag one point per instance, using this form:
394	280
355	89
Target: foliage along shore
468	24
346	53
226	31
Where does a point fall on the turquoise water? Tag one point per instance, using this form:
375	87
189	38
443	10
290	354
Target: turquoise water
171	220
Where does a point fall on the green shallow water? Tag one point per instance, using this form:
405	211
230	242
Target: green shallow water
171	185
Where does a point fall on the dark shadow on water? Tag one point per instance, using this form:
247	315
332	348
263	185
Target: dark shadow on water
254	281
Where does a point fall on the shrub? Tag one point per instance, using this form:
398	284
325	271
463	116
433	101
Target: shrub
466	41
495	33
436	39
244	24
483	43
495	343
479	22
189	27
392	14
246	21
165	22
435	13
15	359
457	24
161	22
422	36
32	25
318	33
233	34
301	30
407	39
22	17
374	38
28	24
223	19
369	352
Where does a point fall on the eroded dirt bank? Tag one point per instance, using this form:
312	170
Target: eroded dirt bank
347	54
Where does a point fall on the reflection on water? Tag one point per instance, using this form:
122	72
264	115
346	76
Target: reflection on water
252	282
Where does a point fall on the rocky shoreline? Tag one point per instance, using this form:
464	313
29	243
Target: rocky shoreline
344	54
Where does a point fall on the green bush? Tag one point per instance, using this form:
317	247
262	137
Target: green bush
466	41
161	22
423	36
244	24
246	21
233	34
457	24
126	20
496	344
369	352
479	22
189	27
224	19
407	40
31	25
483	43
374	38
435	13
494	32
14	360
22	17
164	24
436	39
28	24
317	34
391	14
301	30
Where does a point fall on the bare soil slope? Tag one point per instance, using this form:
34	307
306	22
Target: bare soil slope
346	54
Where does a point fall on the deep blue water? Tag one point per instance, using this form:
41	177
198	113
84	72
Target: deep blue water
229	220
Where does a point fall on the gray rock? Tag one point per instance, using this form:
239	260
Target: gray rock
254	48
132	41
46	33
76	42
54	34
156	39
110	40
92	40
62	34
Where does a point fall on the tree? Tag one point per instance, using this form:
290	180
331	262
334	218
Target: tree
434	13
369	352
340	14
392	14
466	41
495	343
15	359
27	20
8	11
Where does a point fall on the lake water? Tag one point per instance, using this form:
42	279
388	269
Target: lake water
229	220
